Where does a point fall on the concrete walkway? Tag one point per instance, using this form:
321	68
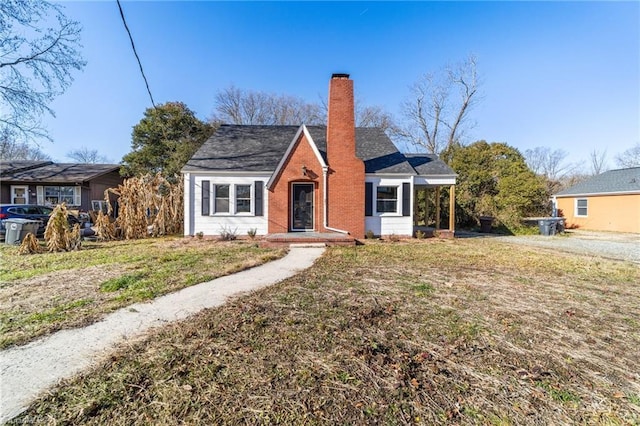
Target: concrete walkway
27	371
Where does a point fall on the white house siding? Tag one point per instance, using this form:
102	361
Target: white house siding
216	223
390	223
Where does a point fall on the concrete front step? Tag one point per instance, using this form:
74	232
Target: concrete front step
308	239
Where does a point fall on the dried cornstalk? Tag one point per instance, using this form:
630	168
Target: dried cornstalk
105	229
30	245
148	205
58	235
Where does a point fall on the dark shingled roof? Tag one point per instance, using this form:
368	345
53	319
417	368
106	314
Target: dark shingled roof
47	171
260	148
612	181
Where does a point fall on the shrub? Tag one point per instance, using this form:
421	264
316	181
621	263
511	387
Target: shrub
252	233
228	234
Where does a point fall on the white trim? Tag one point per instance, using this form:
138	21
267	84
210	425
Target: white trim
597	194
399	196
285	157
26	194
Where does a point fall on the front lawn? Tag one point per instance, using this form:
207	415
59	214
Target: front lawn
430	332
43	293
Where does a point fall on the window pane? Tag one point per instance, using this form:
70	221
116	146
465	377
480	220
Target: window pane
222	191
222	205
51	191
222	198
387	199
243	191
243	198
243	206
66	191
581	207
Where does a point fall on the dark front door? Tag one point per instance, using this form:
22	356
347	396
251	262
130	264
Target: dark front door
302	207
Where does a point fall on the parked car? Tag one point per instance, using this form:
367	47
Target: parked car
29	211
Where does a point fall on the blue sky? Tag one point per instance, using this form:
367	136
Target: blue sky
565	75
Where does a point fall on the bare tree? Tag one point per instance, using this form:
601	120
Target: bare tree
376	116
439	105
551	164
36	61
87	156
238	106
630	157
598	161
11	150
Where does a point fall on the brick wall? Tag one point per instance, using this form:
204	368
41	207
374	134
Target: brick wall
346	172
291	172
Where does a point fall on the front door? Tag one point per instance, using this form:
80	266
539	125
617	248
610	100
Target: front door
19	194
302	207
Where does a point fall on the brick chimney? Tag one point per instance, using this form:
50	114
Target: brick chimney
345	187
341	127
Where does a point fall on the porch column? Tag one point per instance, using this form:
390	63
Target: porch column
426	206
452	208
437	207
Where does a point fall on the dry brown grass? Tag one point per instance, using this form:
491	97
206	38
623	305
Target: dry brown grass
435	332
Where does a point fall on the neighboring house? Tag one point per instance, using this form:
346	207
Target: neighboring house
283	179
609	201
81	186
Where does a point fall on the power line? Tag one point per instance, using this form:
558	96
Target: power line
135	53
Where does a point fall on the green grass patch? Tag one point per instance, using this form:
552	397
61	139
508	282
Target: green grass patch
122	282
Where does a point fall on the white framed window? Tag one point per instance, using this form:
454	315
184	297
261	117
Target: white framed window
54	195
99	205
221	198
387	199
582	207
243	198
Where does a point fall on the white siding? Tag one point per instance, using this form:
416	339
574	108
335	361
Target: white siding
390	223
214	224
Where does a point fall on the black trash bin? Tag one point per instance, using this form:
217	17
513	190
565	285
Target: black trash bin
547	227
485	223
17	229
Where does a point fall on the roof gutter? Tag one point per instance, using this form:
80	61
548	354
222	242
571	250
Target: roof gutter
325	171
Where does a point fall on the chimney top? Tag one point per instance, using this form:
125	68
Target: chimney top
340	76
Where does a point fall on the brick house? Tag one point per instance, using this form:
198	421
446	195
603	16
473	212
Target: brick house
335	180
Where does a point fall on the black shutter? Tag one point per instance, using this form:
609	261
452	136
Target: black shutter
206	189
368	199
258	198
406	199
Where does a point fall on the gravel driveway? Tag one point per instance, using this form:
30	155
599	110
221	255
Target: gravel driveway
610	245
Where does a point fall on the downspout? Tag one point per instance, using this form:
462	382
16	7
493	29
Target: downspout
325	171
